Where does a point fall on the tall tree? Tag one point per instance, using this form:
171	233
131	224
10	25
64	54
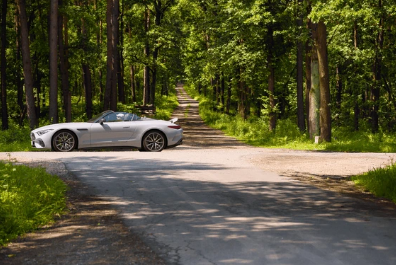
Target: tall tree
271	72
63	64
87	78
377	65
3	63
53	60
300	89
146	71
314	90
27	64
325	116
110	100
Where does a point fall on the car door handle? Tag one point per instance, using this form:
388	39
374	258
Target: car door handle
126	127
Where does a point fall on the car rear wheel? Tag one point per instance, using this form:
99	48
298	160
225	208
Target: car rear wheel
154	141
64	141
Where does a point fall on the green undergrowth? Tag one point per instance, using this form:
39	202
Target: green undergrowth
165	105
380	181
14	139
29	198
254	131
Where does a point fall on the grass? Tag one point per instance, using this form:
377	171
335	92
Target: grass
29	198
15	139
381	182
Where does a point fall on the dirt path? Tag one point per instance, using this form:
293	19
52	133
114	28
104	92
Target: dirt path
196	133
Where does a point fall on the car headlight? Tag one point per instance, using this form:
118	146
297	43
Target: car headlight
39	133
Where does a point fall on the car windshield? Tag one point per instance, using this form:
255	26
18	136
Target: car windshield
97	117
111	116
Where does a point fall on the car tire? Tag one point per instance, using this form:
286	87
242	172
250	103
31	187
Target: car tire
64	141
154	141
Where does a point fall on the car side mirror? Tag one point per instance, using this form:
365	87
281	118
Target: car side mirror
101	121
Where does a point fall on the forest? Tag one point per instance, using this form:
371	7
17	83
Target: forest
319	64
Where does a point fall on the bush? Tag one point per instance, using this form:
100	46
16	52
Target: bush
380	181
29	198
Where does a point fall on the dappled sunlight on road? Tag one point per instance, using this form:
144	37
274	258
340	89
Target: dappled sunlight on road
184	208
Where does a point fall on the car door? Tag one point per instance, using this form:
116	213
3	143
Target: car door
114	131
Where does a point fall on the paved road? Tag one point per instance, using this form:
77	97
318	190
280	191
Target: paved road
214	207
196	204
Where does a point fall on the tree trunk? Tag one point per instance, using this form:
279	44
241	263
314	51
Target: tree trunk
271	80
375	87
27	64
110	99
133	83
146	71
115	29
18	84
300	89
325	115
338	93
308	83
88	90
63	59
314	92
120	72
228	105
53	60
222	90
356	107
242	99
3	62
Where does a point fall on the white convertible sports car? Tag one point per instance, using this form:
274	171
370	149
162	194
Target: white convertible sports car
109	129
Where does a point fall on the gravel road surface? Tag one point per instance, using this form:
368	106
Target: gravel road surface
215	200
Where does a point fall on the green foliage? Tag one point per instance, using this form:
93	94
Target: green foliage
29	198
16	138
165	106
380	181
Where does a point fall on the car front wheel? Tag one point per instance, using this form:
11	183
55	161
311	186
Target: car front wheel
64	141
154	141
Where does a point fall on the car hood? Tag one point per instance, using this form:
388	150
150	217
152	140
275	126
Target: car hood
63	125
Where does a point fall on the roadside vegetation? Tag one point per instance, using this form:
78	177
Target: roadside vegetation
381	182
29	198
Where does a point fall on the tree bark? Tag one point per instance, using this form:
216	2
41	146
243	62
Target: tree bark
3	62
339	88
375	87
242	96
27	64
88	90
86	73
271	80
53	60
228	104
63	60
356	107
120	72
300	89
325	115
146	71
133	83
110	99
18	78
314	92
